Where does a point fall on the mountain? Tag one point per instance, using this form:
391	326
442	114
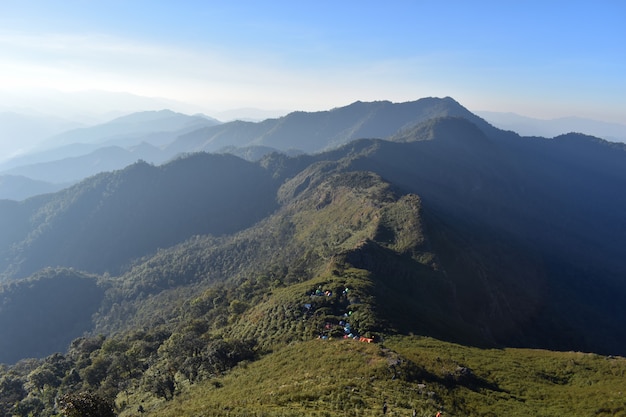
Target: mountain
22	131
72	169
18	188
106	221
175	133
209	271
154	127
89	107
528	126
64	296
248	114
317	131
546	230
255	153
126	129
80	153
501	202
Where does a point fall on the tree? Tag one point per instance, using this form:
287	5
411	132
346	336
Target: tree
95	373
237	307
11	391
43	376
85	404
29	406
161	384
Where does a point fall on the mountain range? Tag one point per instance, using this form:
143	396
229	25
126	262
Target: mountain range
28	130
528	126
159	136
417	218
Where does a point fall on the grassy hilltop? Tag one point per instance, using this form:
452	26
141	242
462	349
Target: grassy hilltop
349	378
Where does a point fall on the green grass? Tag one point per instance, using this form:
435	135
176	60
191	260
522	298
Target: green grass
316	378
349	378
281	317
525	381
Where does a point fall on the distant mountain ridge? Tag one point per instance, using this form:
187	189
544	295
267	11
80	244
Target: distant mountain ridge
318	131
133	125
20	132
166	134
80	153
528	126
14	187
70	169
173	133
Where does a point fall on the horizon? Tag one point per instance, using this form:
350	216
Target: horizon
245	113
138	103
537	60
58	122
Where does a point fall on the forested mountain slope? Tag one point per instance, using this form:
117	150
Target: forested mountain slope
450	229
505	213
45	313
105	222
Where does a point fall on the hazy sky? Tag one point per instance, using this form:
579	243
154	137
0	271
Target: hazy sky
538	58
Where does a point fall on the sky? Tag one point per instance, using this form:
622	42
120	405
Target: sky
542	59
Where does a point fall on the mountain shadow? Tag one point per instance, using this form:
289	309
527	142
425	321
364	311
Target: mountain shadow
103	223
533	216
43	314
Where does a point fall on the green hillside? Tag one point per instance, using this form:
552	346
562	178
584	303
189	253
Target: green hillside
349	378
230	353
402	272
306	313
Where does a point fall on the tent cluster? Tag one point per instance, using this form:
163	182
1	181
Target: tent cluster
351	334
319	293
331	328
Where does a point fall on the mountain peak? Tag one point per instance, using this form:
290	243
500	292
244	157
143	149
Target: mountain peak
448	128
322	130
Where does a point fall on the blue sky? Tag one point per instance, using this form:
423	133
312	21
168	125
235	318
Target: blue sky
538	58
